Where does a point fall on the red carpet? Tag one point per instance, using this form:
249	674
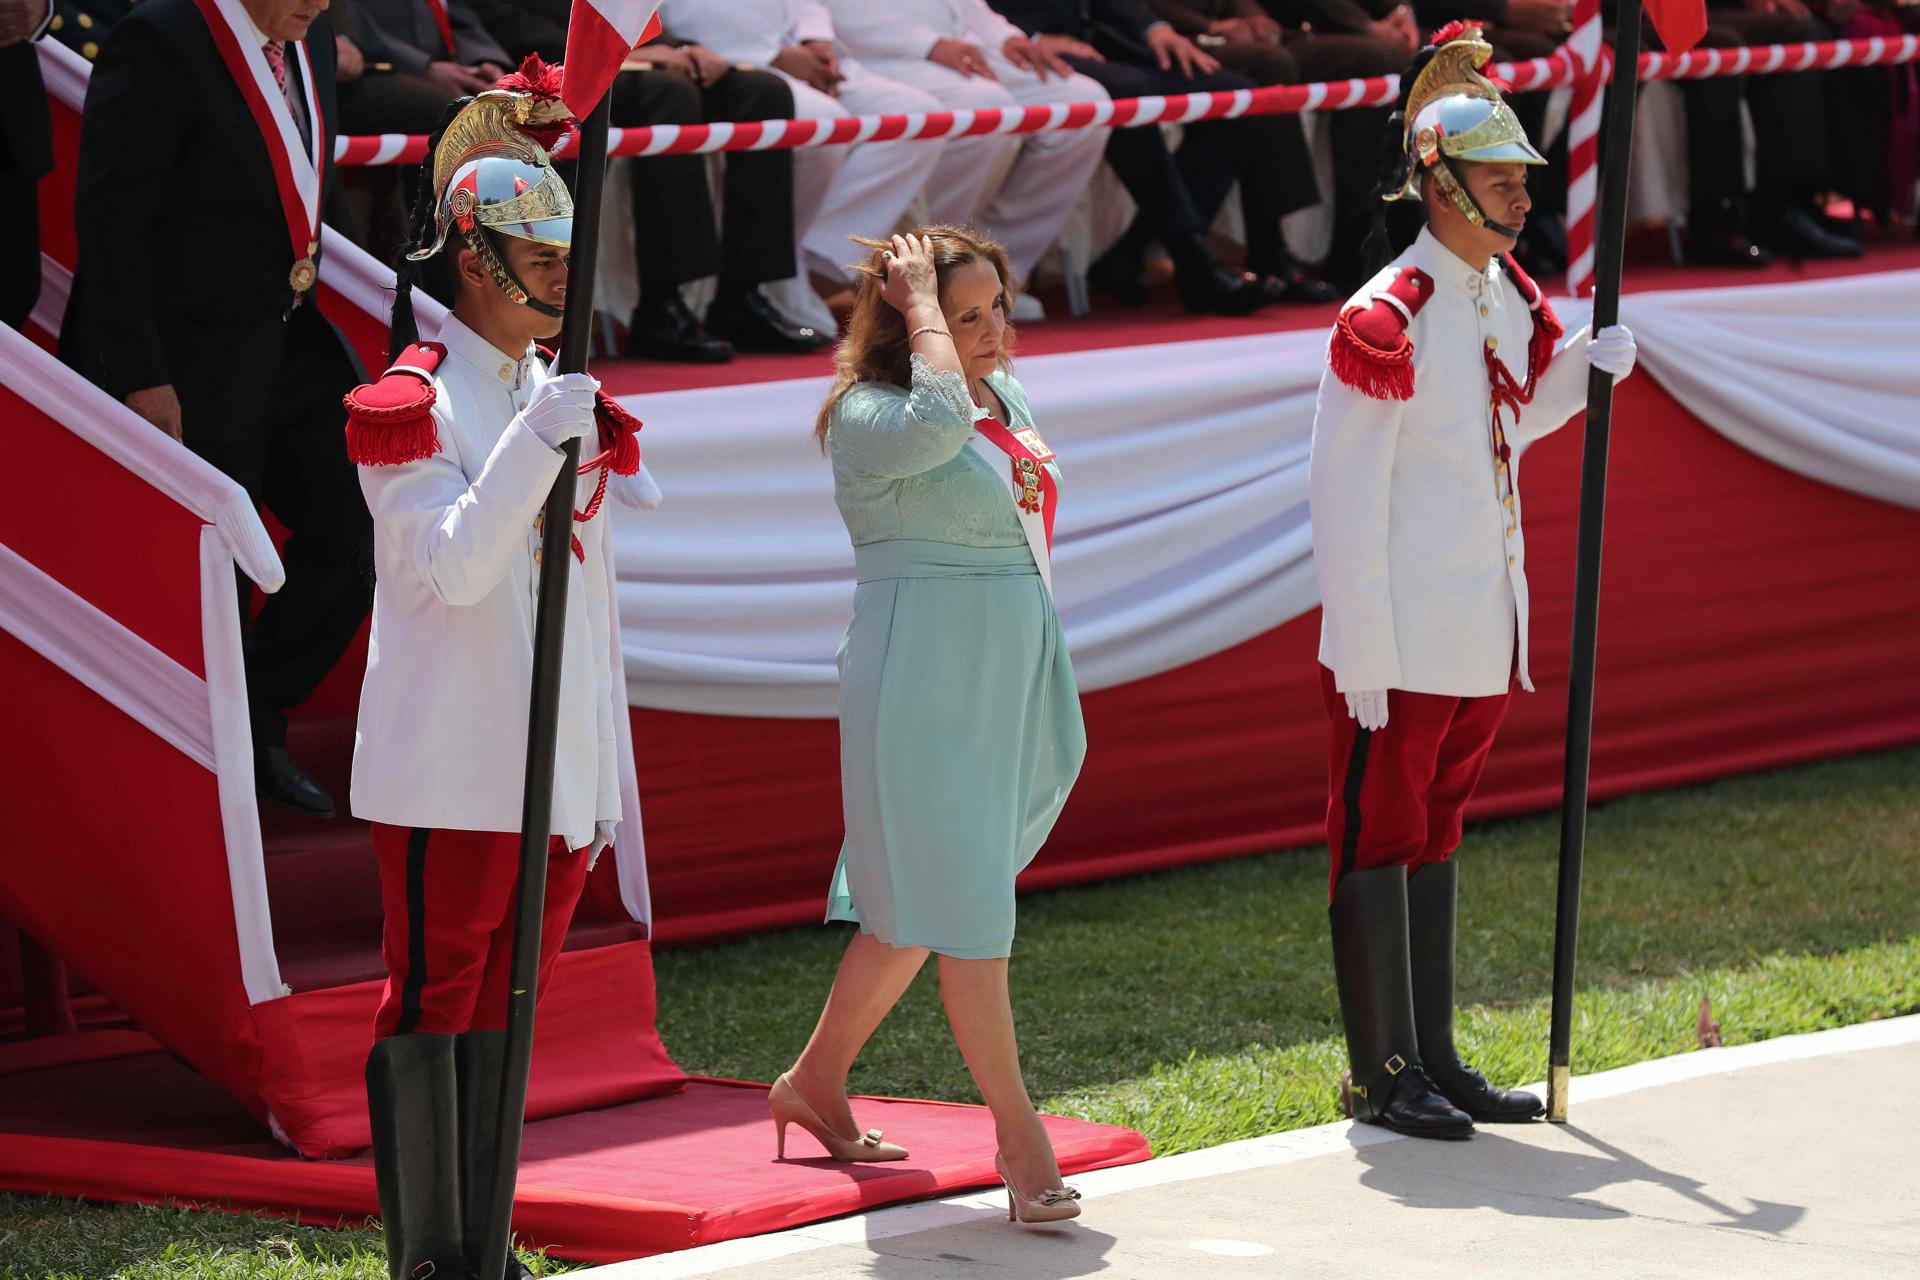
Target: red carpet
644	1177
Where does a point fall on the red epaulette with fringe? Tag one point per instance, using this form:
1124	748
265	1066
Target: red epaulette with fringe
1371	351
390	422
1547	329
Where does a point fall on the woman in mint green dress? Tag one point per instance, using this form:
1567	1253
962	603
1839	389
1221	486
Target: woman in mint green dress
960	729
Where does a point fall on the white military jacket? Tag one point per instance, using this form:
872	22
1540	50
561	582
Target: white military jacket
747	31
1418	540
442	735
880	29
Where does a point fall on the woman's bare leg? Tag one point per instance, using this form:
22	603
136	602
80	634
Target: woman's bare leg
871	979
975	992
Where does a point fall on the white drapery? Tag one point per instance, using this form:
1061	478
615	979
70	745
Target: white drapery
1183	529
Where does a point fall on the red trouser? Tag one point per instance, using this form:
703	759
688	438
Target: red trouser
1395	796
449	898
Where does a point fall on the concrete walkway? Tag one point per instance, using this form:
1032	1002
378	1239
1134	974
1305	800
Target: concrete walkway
1793	1158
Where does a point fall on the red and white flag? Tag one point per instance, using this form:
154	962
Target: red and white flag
1680	23
600	35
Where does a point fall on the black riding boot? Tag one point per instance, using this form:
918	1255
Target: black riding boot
1388	1086
482	1059
1431	894
412	1103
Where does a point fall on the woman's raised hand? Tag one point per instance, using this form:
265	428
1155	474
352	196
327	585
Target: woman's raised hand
911	283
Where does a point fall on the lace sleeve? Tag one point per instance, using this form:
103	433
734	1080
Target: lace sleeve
895	431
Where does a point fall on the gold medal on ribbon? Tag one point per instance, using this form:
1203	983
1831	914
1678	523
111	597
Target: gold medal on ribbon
304	271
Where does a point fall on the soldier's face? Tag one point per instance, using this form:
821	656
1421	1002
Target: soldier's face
1501	192
284	19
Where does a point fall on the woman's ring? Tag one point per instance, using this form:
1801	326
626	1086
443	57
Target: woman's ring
886	253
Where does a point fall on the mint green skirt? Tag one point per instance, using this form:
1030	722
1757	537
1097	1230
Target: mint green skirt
960	737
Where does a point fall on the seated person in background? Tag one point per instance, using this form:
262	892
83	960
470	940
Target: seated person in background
968	56
1276	176
862	189
1133	54
401	62
675	237
1347	40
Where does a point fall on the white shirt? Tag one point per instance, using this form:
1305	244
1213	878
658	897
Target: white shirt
877	29
749	31
1418	541
442	735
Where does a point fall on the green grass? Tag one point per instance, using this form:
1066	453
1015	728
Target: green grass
1198	1006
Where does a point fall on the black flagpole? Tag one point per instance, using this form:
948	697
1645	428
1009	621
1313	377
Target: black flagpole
1610	233
543	721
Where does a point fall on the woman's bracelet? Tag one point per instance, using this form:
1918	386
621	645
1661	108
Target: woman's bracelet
927	328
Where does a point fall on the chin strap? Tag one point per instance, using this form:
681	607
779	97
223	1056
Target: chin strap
503	276
1456	187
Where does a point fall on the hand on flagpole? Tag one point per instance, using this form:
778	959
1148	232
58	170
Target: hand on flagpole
1613	350
1369	708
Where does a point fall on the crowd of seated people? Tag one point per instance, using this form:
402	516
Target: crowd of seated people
776	247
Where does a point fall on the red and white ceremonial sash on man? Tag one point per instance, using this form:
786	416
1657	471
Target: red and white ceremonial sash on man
1022	456
296	169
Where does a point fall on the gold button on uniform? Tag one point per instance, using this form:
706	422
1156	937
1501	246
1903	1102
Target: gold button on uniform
506	373
1493	344
1509	560
1512	529
536	555
1483	311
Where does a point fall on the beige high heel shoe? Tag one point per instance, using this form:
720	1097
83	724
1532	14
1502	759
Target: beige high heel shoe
1055	1204
788	1107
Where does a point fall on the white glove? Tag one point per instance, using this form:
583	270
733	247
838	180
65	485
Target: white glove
1612	350
561	409
638	490
1369	707
602	838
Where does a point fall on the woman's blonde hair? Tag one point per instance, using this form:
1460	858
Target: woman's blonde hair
875	348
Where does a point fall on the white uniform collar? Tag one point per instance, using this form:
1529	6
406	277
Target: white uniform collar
1443	263
492	363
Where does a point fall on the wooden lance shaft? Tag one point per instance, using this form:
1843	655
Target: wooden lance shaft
543	721
1609	247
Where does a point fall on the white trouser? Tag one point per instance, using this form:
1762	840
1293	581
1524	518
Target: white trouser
860	189
1046	179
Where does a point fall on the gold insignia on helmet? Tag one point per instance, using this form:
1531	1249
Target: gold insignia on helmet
1454	68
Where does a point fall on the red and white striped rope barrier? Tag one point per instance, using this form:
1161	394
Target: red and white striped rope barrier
1336	95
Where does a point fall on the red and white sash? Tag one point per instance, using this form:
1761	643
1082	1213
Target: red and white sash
1022	457
297	170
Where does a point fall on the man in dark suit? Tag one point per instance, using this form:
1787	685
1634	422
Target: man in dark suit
188	304
1133	54
26	151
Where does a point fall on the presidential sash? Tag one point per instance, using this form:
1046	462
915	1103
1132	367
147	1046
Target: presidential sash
1031	485
297	170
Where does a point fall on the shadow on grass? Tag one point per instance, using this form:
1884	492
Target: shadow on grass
1494	1172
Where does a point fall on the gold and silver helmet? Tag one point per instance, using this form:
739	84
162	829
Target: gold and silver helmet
491	170
1454	114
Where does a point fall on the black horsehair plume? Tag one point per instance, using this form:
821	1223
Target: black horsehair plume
1379	248
405	329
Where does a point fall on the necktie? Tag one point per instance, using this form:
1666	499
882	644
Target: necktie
276	53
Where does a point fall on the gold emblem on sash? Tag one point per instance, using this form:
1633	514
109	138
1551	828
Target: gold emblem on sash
304	272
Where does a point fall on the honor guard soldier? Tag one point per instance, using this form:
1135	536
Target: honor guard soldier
1441	369
458	445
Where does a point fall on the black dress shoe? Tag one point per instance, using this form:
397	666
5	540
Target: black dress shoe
1293	285
279	779
1218	292
1726	247
668	330
1406	1101
1803	234
1470	1091
1120	279
751	323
